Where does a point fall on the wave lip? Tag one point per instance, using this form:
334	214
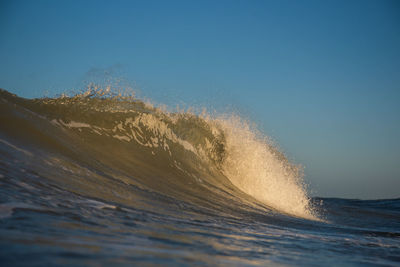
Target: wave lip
256	167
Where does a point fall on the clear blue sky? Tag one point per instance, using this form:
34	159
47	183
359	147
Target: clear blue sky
321	77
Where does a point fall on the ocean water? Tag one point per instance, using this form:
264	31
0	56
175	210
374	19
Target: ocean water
99	180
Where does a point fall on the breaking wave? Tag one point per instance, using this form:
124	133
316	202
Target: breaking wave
123	150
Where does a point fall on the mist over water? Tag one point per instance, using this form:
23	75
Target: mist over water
102	176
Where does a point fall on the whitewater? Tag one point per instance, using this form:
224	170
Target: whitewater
99	178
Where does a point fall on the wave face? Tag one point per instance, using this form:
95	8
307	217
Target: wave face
109	177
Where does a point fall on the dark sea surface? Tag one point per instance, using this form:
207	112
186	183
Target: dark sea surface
95	180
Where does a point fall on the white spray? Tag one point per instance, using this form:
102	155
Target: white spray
254	166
